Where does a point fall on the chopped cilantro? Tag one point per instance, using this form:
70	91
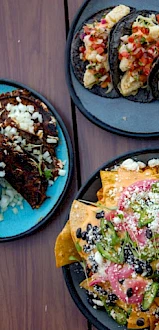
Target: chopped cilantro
98	75
136	77
78	247
48	174
143	40
72	258
140	63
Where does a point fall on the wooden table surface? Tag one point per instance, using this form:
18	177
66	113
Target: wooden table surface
33	293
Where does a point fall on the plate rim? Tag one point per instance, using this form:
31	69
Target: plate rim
66	269
76	99
46	219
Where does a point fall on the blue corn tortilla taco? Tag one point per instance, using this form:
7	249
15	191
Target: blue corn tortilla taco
154	80
133	50
89	51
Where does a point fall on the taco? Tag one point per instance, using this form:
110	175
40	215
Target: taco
133	50
89	51
154	80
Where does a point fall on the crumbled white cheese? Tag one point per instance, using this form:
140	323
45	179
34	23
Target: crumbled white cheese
153	162
98	258
2	164
62	172
132	165
98	302
2	174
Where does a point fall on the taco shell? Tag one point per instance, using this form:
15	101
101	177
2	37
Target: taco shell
124	27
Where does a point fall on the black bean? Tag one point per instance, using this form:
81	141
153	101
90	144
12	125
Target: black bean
138	266
95	229
148	233
86	248
100	215
140	322
87	238
129	292
112	297
128	255
90	295
78	233
89	227
83	235
121	281
149	270
110	302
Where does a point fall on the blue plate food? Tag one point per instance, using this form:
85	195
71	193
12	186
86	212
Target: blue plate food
24	219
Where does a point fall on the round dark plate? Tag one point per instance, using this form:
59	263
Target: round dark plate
74	274
119	115
27	220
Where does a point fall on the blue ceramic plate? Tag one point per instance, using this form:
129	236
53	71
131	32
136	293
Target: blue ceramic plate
28	220
117	115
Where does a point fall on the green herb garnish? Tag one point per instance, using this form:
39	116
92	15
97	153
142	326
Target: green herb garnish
78	247
48	174
143	40
72	258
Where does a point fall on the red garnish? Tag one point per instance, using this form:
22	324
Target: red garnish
100	50
86	29
157	18
82	49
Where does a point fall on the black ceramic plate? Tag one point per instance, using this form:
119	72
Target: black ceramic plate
120	116
27	220
73	274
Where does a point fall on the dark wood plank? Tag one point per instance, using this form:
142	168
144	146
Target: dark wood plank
32	290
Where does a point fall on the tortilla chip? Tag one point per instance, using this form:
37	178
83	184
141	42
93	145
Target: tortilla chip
100	194
65	247
81	214
114	182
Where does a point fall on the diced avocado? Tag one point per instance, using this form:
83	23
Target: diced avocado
117	313
150	295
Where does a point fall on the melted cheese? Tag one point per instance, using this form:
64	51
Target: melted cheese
116	14
128	85
89	79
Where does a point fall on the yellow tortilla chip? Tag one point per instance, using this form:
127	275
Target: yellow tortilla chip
65	247
100	194
134	316
113	182
80	216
